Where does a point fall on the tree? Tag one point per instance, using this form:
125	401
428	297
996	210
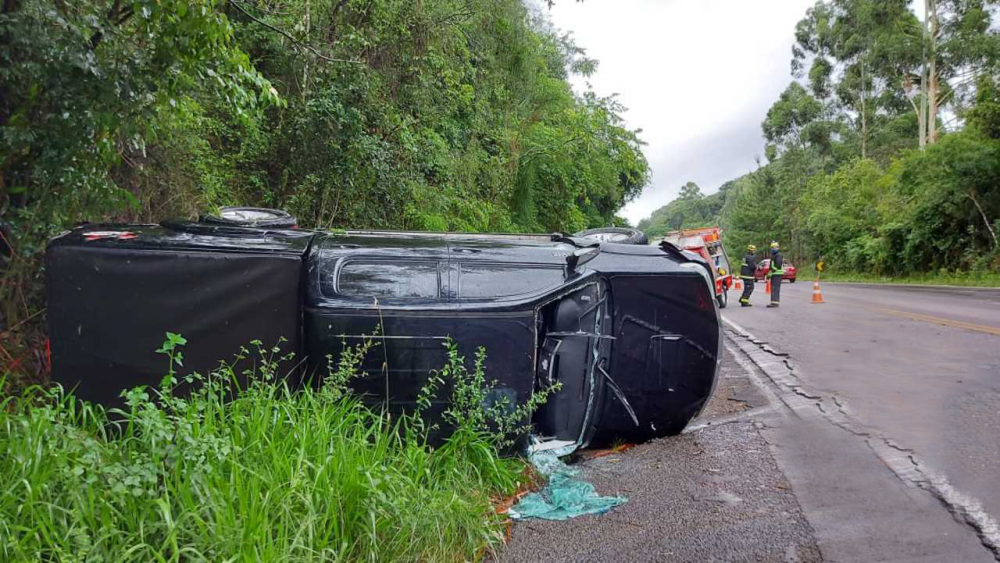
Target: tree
690	192
961	45
862	53
793	122
83	83
983	117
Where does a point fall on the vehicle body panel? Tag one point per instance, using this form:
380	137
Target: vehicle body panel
113	296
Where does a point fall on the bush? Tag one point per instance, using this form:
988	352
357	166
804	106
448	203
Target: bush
272	475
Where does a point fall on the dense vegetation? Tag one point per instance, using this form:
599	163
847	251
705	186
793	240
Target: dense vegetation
883	156
437	114
270	476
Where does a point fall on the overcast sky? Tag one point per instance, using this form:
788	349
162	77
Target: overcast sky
698	76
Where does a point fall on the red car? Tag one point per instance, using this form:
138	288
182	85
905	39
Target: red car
765	266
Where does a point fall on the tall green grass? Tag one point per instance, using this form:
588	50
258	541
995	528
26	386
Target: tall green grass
942	277
272	475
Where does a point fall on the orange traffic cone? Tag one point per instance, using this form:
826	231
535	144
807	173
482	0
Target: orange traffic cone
739	284
767	285
817	295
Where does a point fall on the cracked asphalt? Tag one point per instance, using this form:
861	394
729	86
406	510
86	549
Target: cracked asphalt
789	465
920	365
917	369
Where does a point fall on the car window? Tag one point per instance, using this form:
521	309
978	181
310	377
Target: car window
405	280
722	261
483	281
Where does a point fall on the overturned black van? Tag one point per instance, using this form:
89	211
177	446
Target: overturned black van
632	332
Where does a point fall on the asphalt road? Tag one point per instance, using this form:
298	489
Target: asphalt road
918	367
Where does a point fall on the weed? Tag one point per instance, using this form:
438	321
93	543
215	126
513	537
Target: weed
268	474
479	405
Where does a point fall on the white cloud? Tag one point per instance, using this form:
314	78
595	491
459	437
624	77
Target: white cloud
697	76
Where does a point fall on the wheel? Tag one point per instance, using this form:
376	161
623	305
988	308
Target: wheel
620	235
791	280
723	299
251	217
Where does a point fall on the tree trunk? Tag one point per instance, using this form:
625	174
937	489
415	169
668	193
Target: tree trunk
986	219
932	82
922	110
305	64
922	117
864	113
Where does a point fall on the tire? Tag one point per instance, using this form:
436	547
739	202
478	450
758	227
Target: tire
253	217
620	235
723	298
791	280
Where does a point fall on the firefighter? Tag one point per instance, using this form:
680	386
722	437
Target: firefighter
747	269
776	271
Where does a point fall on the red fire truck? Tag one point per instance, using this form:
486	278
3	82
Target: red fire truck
707	242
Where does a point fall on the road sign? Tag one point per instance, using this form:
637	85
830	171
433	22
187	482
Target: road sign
819	266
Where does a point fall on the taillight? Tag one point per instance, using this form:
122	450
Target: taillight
706	299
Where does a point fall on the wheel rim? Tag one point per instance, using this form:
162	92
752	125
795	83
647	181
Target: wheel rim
609	237
247	215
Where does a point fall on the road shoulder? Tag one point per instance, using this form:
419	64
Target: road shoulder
714	493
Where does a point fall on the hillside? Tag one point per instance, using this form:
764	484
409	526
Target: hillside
691	209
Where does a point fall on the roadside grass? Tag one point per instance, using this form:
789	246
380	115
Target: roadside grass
272	475
964	279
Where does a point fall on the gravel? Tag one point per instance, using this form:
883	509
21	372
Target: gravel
715	494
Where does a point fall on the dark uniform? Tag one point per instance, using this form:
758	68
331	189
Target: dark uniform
747	269
776	271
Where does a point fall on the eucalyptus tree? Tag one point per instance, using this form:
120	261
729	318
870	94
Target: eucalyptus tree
962	44
861	55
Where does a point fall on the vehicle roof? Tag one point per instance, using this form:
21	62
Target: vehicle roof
530	249
183	236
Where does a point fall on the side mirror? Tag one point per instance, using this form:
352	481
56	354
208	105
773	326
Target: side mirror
581	257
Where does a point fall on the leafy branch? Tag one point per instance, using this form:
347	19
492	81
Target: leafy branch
239	6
